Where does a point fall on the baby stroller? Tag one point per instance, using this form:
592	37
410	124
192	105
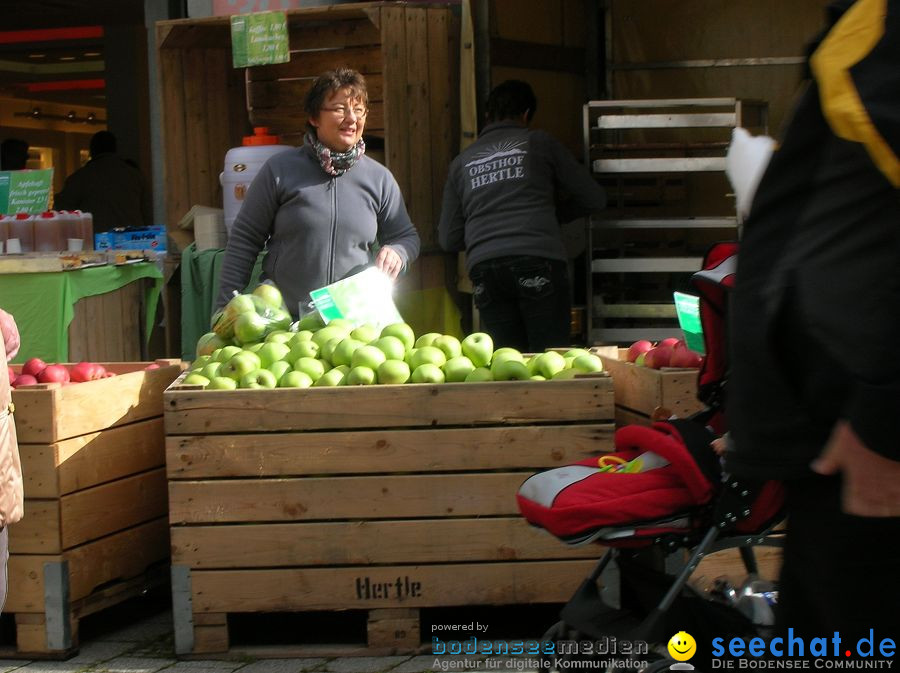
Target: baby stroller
660	503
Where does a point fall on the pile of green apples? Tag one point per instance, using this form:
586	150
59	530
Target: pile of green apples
312	354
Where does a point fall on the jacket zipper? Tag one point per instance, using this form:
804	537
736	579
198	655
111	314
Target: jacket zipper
333	229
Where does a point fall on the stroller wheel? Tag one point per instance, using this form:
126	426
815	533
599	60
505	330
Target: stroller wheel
559	631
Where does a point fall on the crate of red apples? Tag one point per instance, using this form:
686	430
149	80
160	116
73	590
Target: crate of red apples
653	378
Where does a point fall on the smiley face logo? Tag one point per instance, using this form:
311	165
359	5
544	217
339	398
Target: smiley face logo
682	646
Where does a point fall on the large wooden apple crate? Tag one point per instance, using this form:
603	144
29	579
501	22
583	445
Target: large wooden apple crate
94	531
386	499
641	391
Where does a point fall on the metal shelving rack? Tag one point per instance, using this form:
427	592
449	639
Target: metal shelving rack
663	165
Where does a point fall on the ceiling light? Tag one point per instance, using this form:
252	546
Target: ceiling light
92	53
37	55
36	112
66	58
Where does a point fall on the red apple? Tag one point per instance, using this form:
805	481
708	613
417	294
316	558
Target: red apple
151	366
54	374
659	357
685	357
638	347
12	375
23	380
33	367
671	342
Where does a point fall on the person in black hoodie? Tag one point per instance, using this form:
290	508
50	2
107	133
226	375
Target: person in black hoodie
814	391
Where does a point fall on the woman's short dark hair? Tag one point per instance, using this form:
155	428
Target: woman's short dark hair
510	100
329	82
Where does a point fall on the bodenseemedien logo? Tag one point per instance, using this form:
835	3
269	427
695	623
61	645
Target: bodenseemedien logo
682	647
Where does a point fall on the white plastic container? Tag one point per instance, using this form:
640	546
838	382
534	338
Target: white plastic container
241	166
49	232
21	228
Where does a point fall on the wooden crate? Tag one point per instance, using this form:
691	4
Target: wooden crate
381	498
641	391
95	530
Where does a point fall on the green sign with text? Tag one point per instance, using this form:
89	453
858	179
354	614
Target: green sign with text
25	191
259	39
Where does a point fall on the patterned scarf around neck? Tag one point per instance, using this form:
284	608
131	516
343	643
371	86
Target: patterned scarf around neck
335	163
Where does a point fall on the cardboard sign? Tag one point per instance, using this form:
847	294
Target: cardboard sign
687	306
259	39
25	191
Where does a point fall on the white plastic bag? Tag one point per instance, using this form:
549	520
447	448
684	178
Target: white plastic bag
745	164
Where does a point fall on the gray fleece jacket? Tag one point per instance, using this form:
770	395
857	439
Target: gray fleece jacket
317	227
502	193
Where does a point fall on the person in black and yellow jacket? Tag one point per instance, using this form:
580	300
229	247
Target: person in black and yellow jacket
814	392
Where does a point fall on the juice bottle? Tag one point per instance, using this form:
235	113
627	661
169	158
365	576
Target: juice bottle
21	228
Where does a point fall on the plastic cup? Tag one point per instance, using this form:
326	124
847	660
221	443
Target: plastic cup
76	244
13	246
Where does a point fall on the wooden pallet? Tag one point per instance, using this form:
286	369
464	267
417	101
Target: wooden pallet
95	529
369	498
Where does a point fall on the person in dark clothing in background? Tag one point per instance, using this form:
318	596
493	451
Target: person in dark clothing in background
500	207
107	186
814	392
13	154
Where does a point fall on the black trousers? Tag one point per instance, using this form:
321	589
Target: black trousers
841	573
523	301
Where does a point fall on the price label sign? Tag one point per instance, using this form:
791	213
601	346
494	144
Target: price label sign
260	38
687	306
25	191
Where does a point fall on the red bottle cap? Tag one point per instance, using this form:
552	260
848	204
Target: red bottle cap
261	136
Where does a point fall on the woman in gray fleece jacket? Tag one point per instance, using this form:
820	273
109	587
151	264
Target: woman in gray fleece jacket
323	209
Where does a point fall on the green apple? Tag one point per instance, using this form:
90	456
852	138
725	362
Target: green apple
427	373
361	375
294	379
278	319
250	327
300	337
311	321
503	354
531	362
547	364
639	360
393	371
343	352
200	362
195	379
343	323
510	370
333	377
303	349
259	378
211	370
367	356
226	353
239	303
240	365
409	355
479	348
221	383
427	355
449	344
270	294
587	363
391	346
565	374
403	332
310	366
326	334
573	353
537	377
280	368
427	339
457	369
327	350
479	374
208	343
280	336
254	347
271	352
365	333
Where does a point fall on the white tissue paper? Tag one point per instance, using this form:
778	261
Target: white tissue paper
745	164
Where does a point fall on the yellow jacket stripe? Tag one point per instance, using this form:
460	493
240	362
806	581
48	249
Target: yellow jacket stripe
853	37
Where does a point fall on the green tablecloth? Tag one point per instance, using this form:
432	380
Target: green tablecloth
43	304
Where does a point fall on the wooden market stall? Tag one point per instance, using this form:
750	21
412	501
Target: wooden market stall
408	53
